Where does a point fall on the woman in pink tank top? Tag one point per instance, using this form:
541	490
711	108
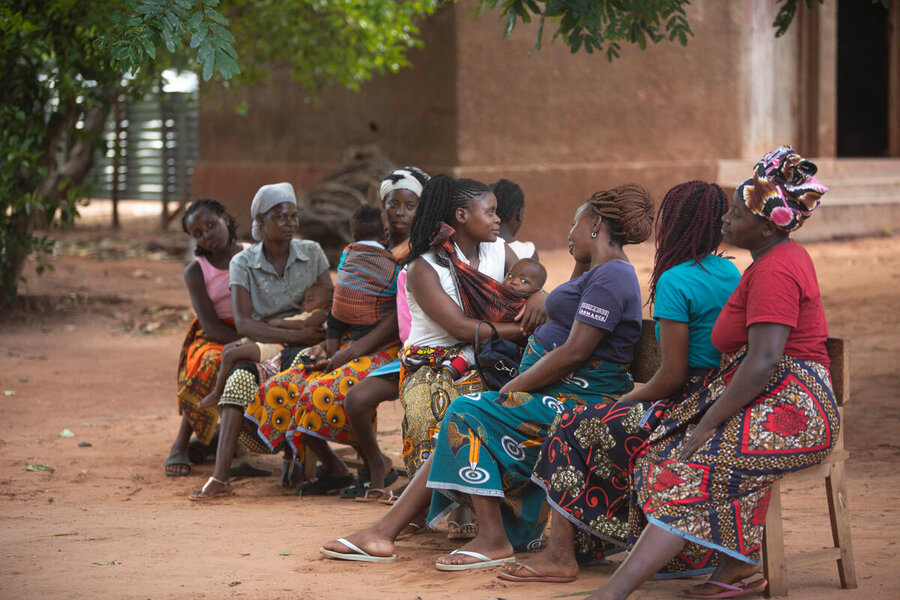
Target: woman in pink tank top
215	233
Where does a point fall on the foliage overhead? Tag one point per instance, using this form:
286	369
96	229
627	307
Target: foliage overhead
345	42
65	63
589	25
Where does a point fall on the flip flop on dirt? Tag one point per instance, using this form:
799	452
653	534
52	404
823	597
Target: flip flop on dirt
730	590
461	531
391	498
205	495
178	459
534	576
483	561
245	469
358	554
409	531
372	495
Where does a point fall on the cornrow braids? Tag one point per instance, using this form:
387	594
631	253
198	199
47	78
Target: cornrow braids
689	227
440	197
218	209
628	213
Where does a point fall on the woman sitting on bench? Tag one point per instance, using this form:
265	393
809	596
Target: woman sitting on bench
586	479
705	474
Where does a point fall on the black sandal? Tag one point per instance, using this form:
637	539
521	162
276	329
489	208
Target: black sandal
354	491
323	483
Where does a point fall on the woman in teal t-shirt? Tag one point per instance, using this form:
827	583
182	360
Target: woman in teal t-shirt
584	461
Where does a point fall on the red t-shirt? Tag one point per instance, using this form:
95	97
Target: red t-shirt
781	287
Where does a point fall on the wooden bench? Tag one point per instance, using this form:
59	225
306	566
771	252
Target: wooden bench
775	565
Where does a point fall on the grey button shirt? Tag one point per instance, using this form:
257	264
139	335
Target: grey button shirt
274	297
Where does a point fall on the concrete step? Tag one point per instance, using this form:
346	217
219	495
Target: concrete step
733	171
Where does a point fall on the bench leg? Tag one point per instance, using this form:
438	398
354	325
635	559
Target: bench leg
840	524
774	567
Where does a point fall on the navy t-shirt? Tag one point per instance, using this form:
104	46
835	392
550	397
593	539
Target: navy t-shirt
609	297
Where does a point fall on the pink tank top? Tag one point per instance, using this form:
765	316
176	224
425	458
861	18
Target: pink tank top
217	281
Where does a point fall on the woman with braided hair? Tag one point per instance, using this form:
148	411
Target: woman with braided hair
488	442
584	461
705	474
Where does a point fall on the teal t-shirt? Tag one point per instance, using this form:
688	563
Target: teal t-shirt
690	294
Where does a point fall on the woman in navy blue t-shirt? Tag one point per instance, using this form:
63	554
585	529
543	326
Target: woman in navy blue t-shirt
488	442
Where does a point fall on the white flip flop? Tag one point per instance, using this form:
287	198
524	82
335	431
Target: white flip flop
358	555
484	562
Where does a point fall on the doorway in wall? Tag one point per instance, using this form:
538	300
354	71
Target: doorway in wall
862	78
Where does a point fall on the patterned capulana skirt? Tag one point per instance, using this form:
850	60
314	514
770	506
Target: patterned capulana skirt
198	367
426	391
295	403
489	442
717	499
584	467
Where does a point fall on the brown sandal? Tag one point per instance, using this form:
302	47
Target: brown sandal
204	495
372	495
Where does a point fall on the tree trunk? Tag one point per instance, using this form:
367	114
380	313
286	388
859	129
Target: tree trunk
55	188
18	248
79	161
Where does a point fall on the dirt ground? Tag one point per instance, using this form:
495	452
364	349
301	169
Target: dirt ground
92	349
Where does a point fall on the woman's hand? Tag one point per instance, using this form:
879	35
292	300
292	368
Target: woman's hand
318	358
342	357
533	313
510	387
699	436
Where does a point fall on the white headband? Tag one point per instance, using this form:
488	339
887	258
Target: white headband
267	197
401	179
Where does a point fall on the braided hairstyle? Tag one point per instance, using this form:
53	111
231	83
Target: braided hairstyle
689	226
441	196
510	198
627	211
218	209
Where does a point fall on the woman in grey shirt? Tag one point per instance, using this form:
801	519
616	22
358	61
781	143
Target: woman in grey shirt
268	281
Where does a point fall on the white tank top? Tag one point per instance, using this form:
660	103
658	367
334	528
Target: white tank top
424	331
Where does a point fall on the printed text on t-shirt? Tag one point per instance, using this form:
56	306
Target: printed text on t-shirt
593	312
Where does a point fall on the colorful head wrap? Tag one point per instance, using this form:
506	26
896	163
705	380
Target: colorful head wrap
267	197
406	178
783	189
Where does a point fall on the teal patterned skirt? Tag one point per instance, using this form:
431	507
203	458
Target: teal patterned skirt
489	442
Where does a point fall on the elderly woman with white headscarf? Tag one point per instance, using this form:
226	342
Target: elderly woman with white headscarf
268	281
307	410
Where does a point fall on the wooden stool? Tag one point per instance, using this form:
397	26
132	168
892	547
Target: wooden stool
775	564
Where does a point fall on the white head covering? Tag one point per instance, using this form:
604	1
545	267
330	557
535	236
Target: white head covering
267	197
407	178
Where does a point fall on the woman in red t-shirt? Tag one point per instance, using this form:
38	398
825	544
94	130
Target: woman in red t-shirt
702	480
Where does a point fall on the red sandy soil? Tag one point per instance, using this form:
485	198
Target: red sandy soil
93	349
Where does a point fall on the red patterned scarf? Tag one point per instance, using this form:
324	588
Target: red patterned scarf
481	296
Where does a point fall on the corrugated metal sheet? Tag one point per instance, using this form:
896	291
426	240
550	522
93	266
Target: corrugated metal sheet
158	136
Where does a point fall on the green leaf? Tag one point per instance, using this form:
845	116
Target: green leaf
222	34
169	41
31	467
198	37
208	67
215	16
149	47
